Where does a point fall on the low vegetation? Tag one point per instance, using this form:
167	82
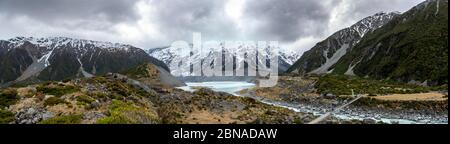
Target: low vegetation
146	70
57	90
6	117
8	97
435	106
128	113
83	99
53	101
70	119
342	85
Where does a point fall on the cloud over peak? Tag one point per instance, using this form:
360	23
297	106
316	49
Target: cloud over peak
152	23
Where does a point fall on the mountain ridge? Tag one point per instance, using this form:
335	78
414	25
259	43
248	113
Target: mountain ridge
411	48
326	53
167	55
58	58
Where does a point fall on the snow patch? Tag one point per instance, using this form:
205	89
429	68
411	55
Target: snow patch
169	55
333	60
55	42
350	71
85	74
45	59
437	8
36	67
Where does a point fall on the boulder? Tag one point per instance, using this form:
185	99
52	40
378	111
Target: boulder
32	115
329	96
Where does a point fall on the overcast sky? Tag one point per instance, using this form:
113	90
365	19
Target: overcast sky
296	24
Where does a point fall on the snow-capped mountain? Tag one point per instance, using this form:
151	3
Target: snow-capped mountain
412	47
167	55
58	58
54	42
326	53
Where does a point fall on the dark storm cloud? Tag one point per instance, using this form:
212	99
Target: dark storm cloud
179	18
289	19
152	23
55	11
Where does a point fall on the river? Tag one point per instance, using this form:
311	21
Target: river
234	87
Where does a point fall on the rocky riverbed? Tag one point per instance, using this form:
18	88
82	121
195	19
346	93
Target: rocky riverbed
300	95
319	105
362	114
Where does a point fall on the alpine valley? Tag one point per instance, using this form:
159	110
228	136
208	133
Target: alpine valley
387	68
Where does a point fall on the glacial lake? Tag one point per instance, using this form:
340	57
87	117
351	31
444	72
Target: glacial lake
231	87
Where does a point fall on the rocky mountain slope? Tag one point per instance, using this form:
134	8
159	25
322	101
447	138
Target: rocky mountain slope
412	47
325	54
58	58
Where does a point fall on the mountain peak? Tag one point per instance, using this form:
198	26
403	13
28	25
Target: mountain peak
54	42
325	54
381	13
373	22
57	58
426	3
411	48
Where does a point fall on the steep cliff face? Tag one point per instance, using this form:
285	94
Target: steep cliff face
413	47
325	54
58	58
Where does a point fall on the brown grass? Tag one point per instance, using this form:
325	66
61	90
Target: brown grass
206	117
270	93
25	91
431	96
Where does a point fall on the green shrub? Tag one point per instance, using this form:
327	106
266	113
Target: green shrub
128	113
70	119
118	88
6	117
57	91
142	70
342	85
85	99
298	121
8	97
435	106
98	95
53	101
